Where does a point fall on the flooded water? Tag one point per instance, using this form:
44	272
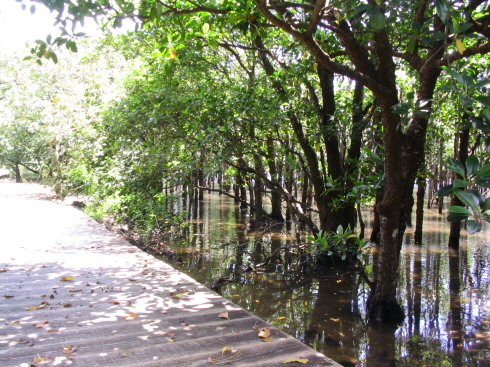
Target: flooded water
445	293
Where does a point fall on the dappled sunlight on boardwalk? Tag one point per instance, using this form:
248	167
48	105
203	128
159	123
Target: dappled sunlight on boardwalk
73	294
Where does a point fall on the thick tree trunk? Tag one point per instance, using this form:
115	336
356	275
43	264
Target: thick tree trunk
401	167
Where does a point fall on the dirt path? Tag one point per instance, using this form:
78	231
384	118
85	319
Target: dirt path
74	294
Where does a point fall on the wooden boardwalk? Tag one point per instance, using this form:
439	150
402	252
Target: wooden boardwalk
74	294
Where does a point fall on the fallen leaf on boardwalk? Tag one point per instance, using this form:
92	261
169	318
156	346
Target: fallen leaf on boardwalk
226	349
268	339
115	302
38	359
73	290
265	332
300	360
40	324
131	316
8	296
178	295
211	359
17	322
169	334
224	315
69	349
334	320
34	308
3	270
256	328
66	304
171	339
66	279
53	330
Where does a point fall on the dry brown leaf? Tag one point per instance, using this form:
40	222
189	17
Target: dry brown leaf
265	332
131	316
53	330
114	302
40	324
66	304
16	322
38	359
169	334
8	296
300	360
3	270
211	359
224	315
34	308
226	349
66	279
268	339
69	349
73	290
256	328
171	340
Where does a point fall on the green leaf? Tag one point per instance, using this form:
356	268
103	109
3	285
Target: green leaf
457	76
460	183
483	171
472	164
483	100
483	182
205	28
460	210
456	217
442	9
401	108
464	27
456	166
445	191
445	88
472	226
467	199
377	20
486	206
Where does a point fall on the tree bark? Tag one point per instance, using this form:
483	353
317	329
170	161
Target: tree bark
18	177
461	156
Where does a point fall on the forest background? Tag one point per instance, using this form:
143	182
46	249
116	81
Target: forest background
320	106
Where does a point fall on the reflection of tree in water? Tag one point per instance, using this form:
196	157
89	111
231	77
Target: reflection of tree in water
445	295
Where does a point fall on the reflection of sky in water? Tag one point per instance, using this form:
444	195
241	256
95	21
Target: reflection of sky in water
328	313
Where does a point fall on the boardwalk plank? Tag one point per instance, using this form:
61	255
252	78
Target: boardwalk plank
118	307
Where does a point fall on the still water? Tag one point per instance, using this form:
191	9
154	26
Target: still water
445	293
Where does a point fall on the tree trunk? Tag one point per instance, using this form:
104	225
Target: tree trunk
461	155
18	177
404	155
276	196
419	212
200	178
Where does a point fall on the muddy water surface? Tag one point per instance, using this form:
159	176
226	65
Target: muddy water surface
445	293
